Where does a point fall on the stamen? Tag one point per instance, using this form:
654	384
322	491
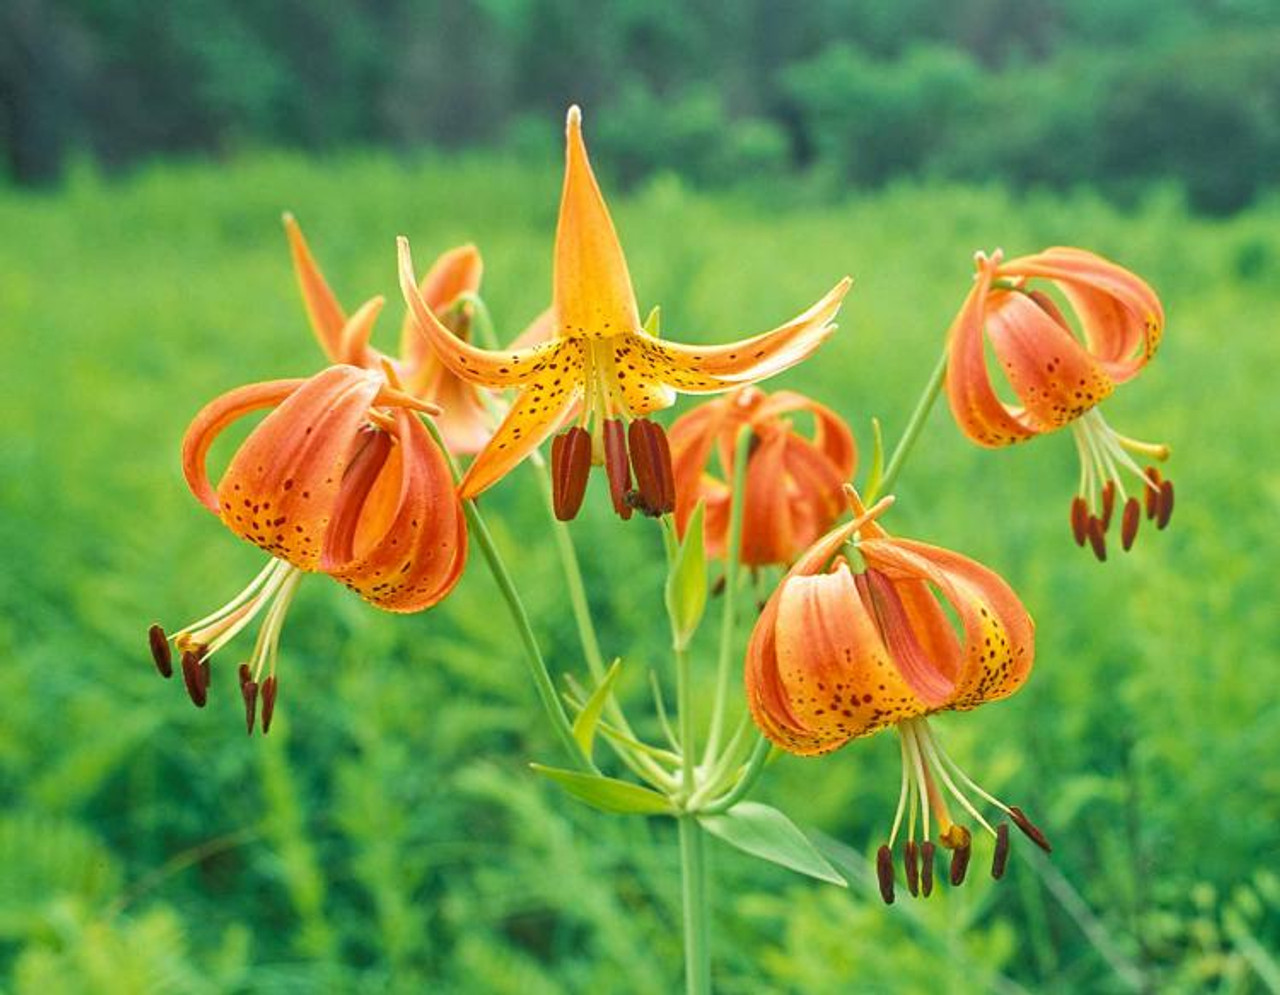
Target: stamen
1129	524
249	691
651	457
1152	492
927	852
570	466
911	863
1001	858
884	873
1165	510
1108	503
195	674
617	465
1097	539
1079	520
268	690
1029	828
160	651
960	863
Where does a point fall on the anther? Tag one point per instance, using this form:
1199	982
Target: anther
651	457
1001	858
160	651
1108	503
1098	539
195	673
911	864
1029	828
1165	511
249	691
268	691
718	587
617	465
1079	520
960	863
884	873
1129	524
570	466
1152	492
927	850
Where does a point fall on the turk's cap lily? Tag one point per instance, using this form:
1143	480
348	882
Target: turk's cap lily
1059	375
450	283
858	637
793	488
602	363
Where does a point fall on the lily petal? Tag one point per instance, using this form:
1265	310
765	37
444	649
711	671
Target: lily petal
456	272
324	311
592	294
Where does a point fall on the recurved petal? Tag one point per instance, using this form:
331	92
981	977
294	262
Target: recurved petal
325	313
768	529
410	541
999	636
353	340
831	434
280	489
707	369
502	368
692	437
456	272
210	422
979	413
592	293
1051	373
540	409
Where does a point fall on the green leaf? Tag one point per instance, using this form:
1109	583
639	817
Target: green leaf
584	726
687	583
607	793
764	832
653	323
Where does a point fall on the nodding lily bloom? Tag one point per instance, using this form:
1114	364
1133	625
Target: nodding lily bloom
1059	377
793	490
341	478
859	637
603	362
450	283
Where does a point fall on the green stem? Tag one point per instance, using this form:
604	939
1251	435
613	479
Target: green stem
728	620
755	766
916	423
697	931
483	320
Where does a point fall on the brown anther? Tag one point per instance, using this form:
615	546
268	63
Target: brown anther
195	673
160	651
718	587
651	457
1079	520
960	863
1152	491
249	691
1129	523
244	674
1108	503
1098	539
570	467
268	691
884	873
1001	858
927	850
1165	511
911	863
617	465
1029	829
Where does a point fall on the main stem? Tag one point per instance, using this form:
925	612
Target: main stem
914	426
697	932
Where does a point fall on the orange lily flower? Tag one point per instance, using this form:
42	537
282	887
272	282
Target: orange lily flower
464	423
341	478
859	637
603	361
1059	378
793	489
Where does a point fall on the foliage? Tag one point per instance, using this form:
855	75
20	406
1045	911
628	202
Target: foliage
388	834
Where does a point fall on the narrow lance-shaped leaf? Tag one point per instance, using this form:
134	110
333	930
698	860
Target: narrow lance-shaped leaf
607	793
764	832
584	726
687	583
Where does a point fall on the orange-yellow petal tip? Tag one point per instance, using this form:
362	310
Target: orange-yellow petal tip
573	119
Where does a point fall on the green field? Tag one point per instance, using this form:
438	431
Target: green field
387	835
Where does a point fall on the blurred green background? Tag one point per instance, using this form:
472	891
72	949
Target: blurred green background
387	835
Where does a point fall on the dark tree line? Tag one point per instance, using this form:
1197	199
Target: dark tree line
1116	93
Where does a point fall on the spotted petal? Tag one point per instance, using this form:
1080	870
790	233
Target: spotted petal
325	313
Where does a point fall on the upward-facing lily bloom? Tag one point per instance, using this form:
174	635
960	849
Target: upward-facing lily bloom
859	637
1059	377
793	488
341	478
603	361
453	278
